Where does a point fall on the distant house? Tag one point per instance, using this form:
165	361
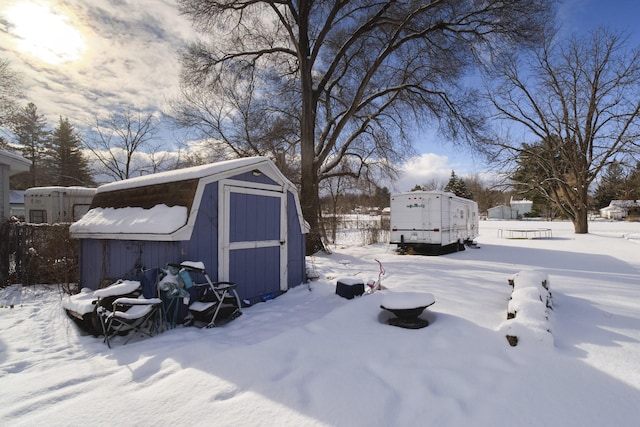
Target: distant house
10	164
622	209
515	210
501	212
241	218
522	207
613	212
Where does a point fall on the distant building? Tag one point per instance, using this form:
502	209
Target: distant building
516	210
16	203
10	164
501	212
622	209
522	207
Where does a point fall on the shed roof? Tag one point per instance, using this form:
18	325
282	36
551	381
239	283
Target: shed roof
195	172
163	206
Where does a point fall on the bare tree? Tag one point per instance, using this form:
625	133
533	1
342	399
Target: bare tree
123	143
239	119
359	72
9	92
580	102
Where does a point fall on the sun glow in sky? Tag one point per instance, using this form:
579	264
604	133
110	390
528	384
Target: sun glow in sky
45	34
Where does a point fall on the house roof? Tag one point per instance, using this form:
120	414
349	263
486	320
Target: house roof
16	162
499	207
625	203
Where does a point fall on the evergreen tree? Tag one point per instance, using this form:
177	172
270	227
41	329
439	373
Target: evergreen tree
611	186
67	164
633	183
381	197
32	139
533	179
458	187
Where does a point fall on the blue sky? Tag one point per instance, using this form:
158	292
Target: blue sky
123	53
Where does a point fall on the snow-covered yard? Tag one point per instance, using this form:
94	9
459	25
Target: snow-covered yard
313	358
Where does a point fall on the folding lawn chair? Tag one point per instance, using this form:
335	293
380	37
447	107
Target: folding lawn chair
211	302
130	316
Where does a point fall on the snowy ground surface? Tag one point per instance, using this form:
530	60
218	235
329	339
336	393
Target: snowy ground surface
313	358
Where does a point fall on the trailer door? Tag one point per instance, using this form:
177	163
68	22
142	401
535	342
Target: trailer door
445	235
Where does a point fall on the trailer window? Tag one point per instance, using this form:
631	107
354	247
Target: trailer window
37	216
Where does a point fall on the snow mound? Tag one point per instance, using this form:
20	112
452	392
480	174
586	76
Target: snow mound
528	309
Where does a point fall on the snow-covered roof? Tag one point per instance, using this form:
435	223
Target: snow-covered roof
163	206
16	163
195	172
72	191
625	203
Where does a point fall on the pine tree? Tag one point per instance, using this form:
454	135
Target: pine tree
611	186
32	138
67	164
458	187
633	183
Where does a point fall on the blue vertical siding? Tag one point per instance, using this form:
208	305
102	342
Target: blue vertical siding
254	218
249	177
255	271
203	245
109	260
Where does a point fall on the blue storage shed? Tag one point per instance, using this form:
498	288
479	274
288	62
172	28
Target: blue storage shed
241	218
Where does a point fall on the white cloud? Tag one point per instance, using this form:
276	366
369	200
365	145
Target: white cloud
423	169
130	61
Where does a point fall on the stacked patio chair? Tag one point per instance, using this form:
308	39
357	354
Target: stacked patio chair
212	303
130	315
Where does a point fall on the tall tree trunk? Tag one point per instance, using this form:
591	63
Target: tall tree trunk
309	198
581	223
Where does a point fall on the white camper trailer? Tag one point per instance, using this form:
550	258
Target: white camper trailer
433	222
57	204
